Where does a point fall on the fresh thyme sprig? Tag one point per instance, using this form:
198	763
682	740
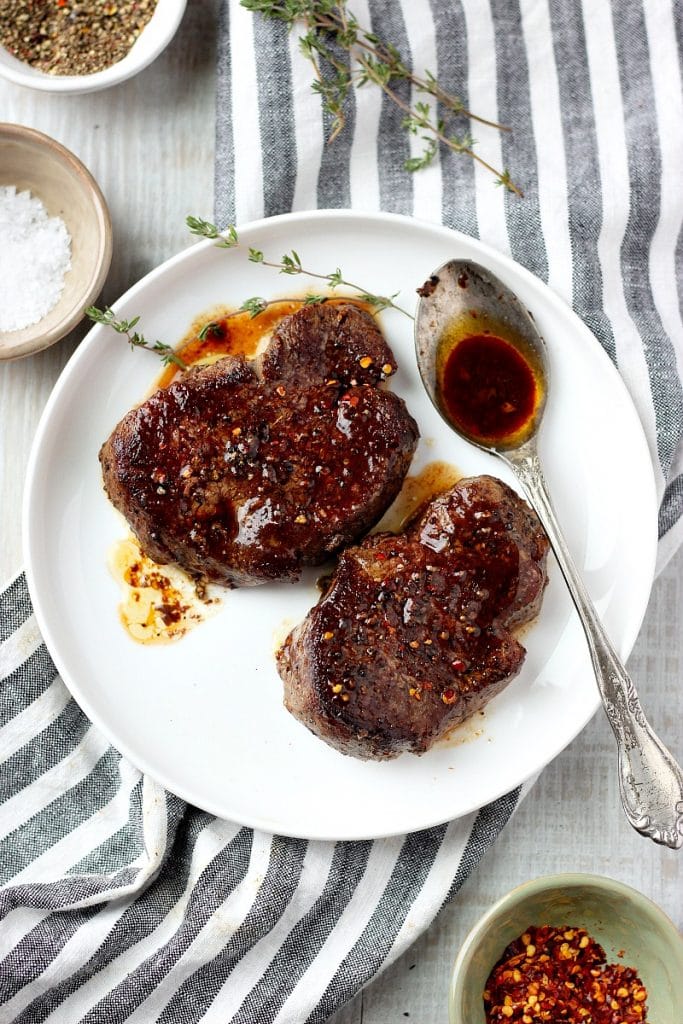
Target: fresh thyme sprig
257	305
290	264
108	318
332	30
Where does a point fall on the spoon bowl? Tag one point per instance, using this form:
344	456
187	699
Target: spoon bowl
465	309
460	300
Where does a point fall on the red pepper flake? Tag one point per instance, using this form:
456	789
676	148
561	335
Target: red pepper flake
458	665
448	696
561	975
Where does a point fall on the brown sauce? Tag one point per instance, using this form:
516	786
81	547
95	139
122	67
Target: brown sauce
159	603
489	385
416	492
224	331
488	388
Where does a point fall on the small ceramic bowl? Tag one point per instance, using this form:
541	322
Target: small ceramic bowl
632	930
32	161
154	38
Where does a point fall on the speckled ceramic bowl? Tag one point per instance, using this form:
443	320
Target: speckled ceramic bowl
621	919
154	38
36	163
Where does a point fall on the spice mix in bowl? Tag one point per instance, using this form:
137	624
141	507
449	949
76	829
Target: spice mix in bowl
581	949
82	46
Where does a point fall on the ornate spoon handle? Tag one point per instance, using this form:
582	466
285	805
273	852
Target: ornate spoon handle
650	780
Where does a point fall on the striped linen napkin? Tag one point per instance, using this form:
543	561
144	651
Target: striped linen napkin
119	902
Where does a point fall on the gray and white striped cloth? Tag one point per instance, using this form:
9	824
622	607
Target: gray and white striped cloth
119	902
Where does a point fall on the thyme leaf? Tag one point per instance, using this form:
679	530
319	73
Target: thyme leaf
107	317
254	306
329	32
212	327
290	263
204	228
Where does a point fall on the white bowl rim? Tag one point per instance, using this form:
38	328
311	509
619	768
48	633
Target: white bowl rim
21	73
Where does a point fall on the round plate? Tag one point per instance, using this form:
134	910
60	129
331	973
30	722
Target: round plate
204	716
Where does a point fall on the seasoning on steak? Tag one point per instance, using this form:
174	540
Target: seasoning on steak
247	470
414	632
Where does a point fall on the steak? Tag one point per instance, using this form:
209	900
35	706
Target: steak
245	471
414	633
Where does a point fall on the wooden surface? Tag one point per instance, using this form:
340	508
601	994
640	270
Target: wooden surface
149	143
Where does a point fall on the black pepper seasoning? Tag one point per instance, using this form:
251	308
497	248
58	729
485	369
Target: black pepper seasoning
72	37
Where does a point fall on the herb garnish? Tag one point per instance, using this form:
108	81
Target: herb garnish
332	30
290	264
108	318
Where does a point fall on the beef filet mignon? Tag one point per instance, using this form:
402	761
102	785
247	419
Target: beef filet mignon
414	632
247	470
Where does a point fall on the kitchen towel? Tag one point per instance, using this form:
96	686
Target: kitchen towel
119	902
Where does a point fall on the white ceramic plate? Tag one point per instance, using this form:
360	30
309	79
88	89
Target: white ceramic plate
204	716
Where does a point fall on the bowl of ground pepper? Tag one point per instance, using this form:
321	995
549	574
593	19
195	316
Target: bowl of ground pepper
571	948
78	46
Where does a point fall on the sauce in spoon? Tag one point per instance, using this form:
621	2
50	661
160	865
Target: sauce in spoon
488	389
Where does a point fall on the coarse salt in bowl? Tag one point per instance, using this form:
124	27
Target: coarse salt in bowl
34	163
154	38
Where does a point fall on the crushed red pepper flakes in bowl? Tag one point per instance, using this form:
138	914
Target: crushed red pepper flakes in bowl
559	975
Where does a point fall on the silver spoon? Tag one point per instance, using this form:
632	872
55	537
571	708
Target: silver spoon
462	299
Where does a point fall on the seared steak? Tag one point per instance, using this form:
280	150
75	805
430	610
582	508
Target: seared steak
325	342
246	470
414	632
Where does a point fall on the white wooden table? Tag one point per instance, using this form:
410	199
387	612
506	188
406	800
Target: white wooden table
149	143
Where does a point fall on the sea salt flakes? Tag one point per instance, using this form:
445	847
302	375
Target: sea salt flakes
35	254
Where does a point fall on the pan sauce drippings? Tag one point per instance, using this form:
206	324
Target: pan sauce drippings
160	603
221	331
488	385
418	490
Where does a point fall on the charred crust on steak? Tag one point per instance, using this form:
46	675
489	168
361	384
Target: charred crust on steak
245	471
414	633
337	341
